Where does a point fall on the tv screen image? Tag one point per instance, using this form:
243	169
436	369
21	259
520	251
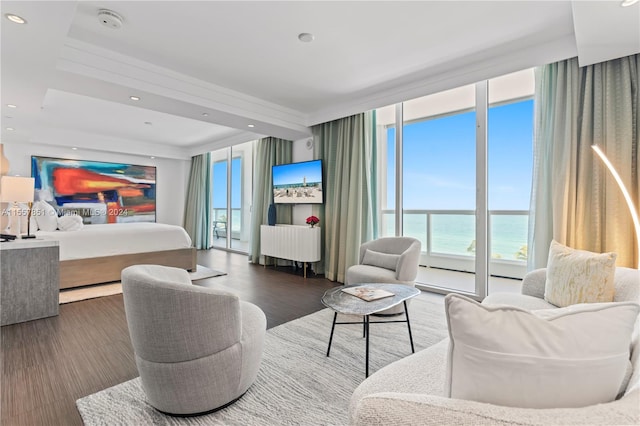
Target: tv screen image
298	183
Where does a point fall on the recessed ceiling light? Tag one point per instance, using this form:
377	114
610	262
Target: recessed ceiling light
134	98
12	106
74	148
204	114
11	129
306	37
148	123
152	157
251	125
626	3
15	18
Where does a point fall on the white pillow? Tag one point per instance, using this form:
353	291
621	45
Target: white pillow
556	358
70	223
579	276
383	260
46	217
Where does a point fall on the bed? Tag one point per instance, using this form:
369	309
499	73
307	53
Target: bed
98	253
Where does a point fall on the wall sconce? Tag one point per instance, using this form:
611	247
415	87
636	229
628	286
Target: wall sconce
625	193
16	189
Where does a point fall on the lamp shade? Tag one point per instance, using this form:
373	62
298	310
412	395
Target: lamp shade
16	189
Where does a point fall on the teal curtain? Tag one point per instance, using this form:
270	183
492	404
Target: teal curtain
574	200
197	211
348	216
267	153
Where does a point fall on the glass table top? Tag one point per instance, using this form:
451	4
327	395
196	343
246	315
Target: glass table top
345	303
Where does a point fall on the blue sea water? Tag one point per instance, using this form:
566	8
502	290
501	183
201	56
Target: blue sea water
455	233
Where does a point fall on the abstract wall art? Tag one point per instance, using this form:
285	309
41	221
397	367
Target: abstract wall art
98	191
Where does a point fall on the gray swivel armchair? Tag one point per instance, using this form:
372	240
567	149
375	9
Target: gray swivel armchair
197	349
391	260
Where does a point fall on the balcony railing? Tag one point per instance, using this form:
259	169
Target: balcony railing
448	238
220	217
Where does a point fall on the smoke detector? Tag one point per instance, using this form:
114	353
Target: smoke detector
110	19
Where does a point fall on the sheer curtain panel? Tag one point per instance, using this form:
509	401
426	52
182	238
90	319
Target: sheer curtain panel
267	153
197	212
574	198
347	147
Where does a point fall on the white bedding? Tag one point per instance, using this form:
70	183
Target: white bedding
118	238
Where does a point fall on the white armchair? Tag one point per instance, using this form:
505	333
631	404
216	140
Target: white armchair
392	260
197	349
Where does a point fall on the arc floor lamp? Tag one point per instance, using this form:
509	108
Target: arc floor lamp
625	193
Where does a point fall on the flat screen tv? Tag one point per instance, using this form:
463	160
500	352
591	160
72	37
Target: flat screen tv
298	183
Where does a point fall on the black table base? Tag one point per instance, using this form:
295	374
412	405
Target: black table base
365	332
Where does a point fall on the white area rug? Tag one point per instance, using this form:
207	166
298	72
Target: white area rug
101	290
297	383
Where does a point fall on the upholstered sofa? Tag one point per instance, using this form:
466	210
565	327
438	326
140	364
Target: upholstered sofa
410	391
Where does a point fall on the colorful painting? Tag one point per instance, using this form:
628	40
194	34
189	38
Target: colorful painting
100	192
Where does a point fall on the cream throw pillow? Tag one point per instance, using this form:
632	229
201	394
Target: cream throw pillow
556	358
383	260
579	276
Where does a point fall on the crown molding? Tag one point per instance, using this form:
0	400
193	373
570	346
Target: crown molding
234	108
235	139
483	65
95	142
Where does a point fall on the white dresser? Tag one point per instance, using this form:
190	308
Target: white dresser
292	242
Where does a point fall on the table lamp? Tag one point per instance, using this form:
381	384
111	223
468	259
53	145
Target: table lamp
16	189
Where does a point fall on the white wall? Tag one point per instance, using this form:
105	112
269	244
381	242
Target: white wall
171	179
301	153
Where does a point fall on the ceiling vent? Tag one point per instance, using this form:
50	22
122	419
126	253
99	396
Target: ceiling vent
110	19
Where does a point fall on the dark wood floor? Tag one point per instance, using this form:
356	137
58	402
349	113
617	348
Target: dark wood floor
48	364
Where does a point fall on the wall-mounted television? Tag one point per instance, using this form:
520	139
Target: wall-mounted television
298	183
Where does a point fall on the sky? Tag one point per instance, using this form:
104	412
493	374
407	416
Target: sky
220	183
439	161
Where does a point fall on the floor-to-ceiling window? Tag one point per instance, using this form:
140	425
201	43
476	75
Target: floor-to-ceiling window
232	194
509	165
437	154
386	137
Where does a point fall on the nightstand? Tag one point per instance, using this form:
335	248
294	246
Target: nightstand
29	280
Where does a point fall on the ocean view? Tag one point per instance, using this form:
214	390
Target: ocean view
452	234
455	233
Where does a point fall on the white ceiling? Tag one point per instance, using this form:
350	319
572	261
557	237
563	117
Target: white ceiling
241	63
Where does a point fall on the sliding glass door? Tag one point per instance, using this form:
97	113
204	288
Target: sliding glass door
457	164
386	138
232	195
510	164
439	184
220	190
241	195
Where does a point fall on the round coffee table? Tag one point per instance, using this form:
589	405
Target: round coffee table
348	304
